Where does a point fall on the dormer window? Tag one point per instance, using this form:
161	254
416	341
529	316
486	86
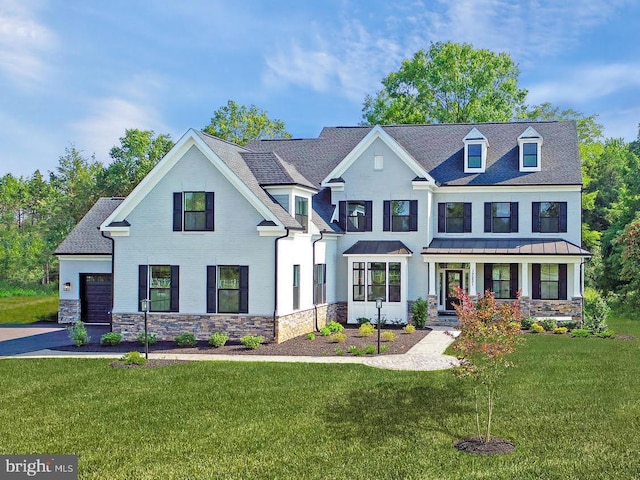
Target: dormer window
530	143
475	152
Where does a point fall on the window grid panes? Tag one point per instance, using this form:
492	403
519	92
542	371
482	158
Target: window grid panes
394	282
455	217
501	217
296	287
474	155
549	217
302	212
549	281
530	155
160	288
377	281
356	216
380	279
358	282
501	280
195	215
229	289
400	216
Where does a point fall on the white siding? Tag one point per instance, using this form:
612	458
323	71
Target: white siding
71	268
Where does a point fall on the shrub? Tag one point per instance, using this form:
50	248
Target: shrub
252	341
78	334
338	337
537	328
133	358
384	348
339	351
325	331
526	323
111	339
388	336
362	320
419	311
151	337
596	311
548	324
311	336
218	339
366	329
408	328
335	327
186	340
571	325
580	332
606	334
355	351
560	330
369	349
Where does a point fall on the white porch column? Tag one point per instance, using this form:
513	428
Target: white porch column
432	278
525	279
577	280
472	279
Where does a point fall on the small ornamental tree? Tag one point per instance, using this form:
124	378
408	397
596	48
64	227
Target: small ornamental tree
489	333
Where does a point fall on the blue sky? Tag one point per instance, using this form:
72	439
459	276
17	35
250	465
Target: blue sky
81	71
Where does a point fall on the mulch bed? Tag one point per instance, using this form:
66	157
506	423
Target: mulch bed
479	446
299	346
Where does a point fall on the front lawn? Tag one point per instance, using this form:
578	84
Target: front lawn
572	406
28	309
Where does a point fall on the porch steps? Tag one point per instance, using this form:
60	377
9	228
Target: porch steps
444	321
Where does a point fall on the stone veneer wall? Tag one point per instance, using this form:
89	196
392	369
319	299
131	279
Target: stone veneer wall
69	311
552	308
432	308
338	312
167	325
299	323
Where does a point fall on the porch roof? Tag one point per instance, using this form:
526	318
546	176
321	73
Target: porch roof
503	246
378	247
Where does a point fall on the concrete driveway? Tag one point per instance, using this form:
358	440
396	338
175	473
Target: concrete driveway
25	339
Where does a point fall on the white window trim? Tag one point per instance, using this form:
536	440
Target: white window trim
530	136
474	137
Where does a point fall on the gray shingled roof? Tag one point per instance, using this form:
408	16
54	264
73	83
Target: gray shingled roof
378	247
85	238
439	149
270	169
503	246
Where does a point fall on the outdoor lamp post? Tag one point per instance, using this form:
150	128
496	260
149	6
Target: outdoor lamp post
379	306
144	304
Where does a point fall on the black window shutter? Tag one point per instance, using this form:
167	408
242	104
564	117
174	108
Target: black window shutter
368	211
177	211
442	217
466	222
562	281
386	219
342	215
211	289
488	276
562	221
514	216
143	271
209	211
513	280
175	289
535	280
413	216
244	290
487	216
535	217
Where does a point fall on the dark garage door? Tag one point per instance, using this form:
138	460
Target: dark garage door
95	297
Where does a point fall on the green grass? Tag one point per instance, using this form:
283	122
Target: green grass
572	406
28	309
7	290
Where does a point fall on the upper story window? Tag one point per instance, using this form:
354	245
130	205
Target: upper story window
549	217
356	216
302	212
454	217
501	217
400	216
159	283
530	145
283	200
193	211
475	152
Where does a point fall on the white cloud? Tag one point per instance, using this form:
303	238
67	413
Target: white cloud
24	42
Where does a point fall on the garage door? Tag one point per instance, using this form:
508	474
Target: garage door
95	297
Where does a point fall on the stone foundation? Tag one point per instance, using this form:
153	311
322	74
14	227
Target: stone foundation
69	311
338	312
552	308
432	308
300	323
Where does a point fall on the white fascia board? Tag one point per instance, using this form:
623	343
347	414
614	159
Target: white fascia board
375	133
377	255
479	258
507	188
86	257
271	231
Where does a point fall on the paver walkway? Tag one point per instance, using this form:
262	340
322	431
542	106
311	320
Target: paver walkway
425	355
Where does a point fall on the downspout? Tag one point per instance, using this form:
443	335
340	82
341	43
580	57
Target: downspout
113	262
313	266
275	278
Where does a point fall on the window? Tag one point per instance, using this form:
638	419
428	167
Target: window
454	217
193	211
501	217
549	217
302	212
382	280
400	216
320	284
377	162
296	287
159	283
474	155
475	151
530	150
283	200
227	289
549	281
501	279
356	216
530	155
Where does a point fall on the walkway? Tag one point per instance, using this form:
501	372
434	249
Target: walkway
425	355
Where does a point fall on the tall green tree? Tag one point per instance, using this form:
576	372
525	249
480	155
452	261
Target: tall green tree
138	152
448	83
240	124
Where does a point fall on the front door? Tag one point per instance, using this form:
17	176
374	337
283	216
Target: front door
453	279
